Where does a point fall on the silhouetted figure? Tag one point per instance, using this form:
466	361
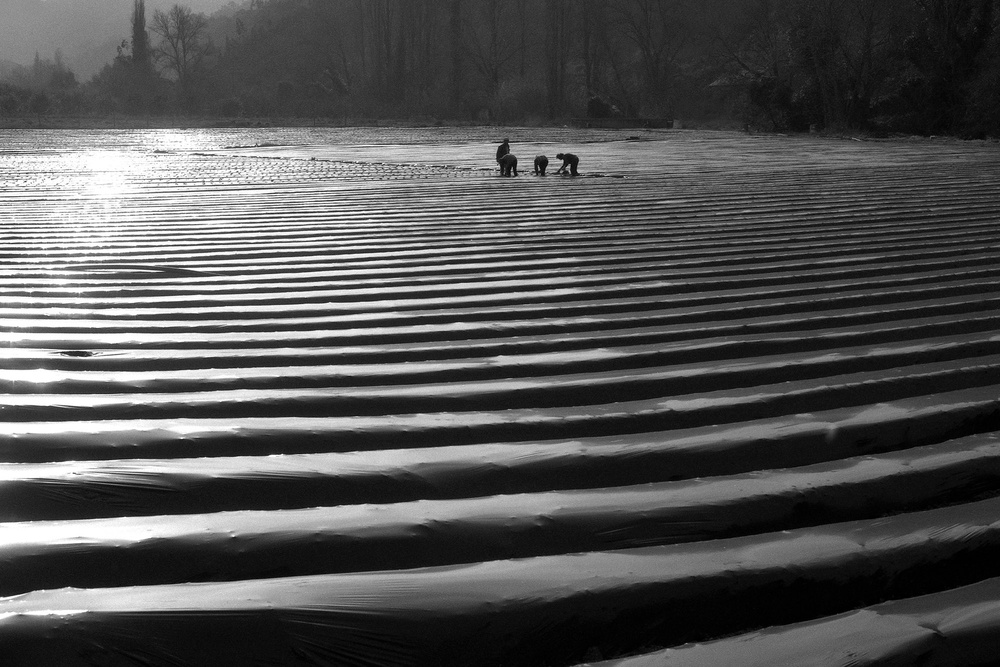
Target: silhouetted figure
503	149
541	163
569	160
508	165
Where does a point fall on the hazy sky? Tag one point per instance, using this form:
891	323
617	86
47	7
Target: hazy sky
87	31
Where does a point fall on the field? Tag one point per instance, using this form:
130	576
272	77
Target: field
348	397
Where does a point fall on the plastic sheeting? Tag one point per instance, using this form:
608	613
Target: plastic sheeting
956	627
513	612
779	441
123	550
385	372
90	489
519	409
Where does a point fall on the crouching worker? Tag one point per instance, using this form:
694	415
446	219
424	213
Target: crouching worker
569	160
508	165
541	163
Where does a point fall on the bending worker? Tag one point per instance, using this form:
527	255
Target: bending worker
569	160
541	162
508	165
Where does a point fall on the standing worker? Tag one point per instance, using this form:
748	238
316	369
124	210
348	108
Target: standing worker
503	149
569	160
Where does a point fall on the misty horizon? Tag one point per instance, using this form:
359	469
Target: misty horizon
755	66
85	32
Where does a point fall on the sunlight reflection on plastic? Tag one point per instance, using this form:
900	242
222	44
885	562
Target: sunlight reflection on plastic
36	376
44	612
173	140
108	172
11	337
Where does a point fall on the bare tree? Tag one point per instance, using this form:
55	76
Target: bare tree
754	37
871	54
556	46
379	18
140	39
948	48
183	45
490	44
658	30
457	56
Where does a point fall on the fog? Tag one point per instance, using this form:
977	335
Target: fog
87	32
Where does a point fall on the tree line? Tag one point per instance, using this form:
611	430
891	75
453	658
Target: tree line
916	66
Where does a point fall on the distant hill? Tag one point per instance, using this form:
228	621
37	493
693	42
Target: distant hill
86	31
